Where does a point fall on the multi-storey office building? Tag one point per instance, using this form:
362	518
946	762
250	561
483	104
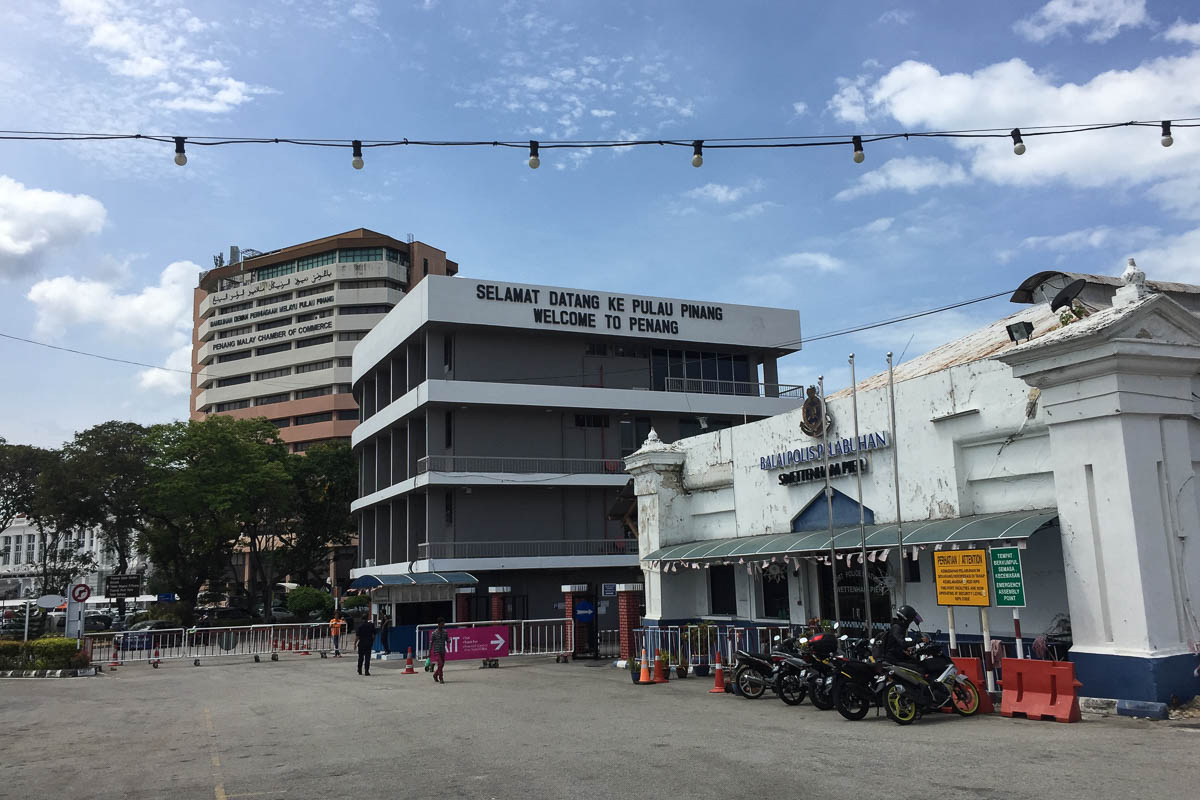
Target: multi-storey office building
495	418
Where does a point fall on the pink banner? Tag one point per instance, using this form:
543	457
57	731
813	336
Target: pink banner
469	643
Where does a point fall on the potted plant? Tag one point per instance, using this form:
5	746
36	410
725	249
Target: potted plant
635	668
681	662
698	638
661	655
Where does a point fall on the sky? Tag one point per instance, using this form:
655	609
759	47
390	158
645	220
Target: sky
101	243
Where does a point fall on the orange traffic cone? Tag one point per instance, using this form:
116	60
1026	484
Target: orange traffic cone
154	662
644	678
408	664
719	680
660	670
116	652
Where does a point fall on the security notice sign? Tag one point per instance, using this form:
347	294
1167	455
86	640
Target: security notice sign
1007	578
961	578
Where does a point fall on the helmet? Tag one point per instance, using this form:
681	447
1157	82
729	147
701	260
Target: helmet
909	615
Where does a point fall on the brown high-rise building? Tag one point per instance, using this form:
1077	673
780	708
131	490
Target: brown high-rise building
273	332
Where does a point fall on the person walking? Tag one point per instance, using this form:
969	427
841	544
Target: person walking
437	649
336	626
365	640
385	627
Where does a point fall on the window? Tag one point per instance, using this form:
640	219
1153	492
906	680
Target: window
315	315
231	309
425	266
360	254
320	391
449	429
315	340
232	406
597	349
314	366
275	323
722	598
348	413
775	592
633	434
591	420
628	351
272	348
272	373
395	255
448	352
449	507
375	283
238	356
273	299
319	260
286	268
309	419
272	398
237	380
230	332
310	291
343	388
282	422
345	361
912	570
351	336
376	309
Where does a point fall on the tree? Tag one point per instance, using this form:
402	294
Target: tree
62	512
20	465
325	480
304	600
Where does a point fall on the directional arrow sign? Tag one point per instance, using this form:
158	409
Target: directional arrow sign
499	642
490	641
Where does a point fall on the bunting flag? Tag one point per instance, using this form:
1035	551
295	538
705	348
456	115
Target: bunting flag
916	553
883	555
871	556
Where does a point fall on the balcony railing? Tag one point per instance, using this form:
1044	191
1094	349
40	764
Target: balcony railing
550	466
740	388
543	549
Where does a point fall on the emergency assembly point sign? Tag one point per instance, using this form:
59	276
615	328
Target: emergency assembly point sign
961	578
1007	578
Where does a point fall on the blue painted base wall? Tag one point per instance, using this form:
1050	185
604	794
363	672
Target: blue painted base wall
1128	678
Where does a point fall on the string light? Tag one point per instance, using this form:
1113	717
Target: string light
357	160
180	156
698	152
1167	138
534	161
1018	142
859	155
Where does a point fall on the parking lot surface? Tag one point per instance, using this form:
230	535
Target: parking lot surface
307	727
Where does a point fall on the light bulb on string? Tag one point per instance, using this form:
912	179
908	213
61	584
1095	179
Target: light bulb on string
357	160
1018	142
1167	138
859	155
697	152
180	155
534	161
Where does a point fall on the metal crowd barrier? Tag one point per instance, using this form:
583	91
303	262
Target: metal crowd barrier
155	646
696	644
526	637
608	642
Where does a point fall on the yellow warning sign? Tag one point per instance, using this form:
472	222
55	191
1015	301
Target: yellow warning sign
961	577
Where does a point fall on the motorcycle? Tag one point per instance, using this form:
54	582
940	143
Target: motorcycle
860	682
818	656
791	682
756	672
930	683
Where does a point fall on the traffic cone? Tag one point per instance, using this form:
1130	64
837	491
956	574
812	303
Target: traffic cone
408	664
660	671
116	652
644	679
304	651
154	662
719	679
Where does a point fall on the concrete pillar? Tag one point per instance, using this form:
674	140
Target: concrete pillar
497	593
629	601
462	603
657	471
1119	391
575	631
770	377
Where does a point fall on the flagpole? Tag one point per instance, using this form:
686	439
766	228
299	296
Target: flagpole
896	478
837	609
862	521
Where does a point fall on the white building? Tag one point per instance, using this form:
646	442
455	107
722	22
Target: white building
1078	446
21	550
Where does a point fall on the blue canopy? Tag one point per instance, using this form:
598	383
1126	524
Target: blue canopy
415	579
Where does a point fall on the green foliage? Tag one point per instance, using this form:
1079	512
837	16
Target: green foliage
356	601
20	466
51	652
304	600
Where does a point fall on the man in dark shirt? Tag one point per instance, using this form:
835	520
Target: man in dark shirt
365	638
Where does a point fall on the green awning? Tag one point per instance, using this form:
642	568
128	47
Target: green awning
415	579
1010	525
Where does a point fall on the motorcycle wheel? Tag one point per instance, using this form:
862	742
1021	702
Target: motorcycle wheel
964	698
901	708
750	683
853	701
792	690
820	696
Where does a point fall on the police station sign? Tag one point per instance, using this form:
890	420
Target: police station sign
837	448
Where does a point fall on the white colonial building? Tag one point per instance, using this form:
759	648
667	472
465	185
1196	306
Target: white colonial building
21	550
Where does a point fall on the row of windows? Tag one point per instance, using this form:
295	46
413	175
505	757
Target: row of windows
273	299
617	350
226	334
345	361
373	283
236	307
233	405
282	397
314	366
275	323
346	255
378	309
267	375
591	420
238	356
360	254
236	380
328	312
351	336
314	341
273	348
310	291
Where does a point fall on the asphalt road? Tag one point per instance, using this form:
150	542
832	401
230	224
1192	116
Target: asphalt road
312	728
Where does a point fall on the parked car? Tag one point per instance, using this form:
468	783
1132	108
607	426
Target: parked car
144	635
223	617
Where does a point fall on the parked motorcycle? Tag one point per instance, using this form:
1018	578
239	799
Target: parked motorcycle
860	681
791	681
757	672
819	655
928	683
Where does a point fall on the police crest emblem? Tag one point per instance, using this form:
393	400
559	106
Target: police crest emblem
813	414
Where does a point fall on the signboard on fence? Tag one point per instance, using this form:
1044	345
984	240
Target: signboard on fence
1007	577
961	578
470	643
123	585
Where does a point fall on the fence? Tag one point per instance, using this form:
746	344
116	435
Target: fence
747	388
700	644
153	646
530	549
608	642
550	466
526	637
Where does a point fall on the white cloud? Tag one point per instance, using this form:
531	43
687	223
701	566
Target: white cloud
721	193
1091	238
896	16
923	334
1180	196
1175	258
910	174
170	380
849	104
819	261
154	310
878	226
1103	19
603	112
365	11
1183	32
799	107
33	221
752	210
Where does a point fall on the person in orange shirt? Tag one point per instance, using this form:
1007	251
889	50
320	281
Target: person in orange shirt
336	626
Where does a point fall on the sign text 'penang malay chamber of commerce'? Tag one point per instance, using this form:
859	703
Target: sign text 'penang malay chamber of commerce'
837	447
563	307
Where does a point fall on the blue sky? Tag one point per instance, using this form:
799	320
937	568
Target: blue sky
100	243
